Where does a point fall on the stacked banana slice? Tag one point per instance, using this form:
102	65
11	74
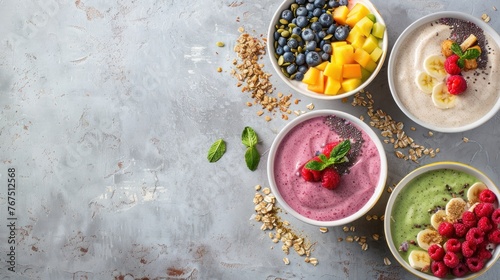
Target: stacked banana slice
420	259
432	82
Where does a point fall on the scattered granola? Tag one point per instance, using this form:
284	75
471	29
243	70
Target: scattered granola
387	261
485	18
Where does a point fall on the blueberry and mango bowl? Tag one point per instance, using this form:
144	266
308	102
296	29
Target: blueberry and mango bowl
442	221
327	49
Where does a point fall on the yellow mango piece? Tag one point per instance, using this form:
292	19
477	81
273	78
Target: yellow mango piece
351	71
334	71
322	65
311	76
338	44
365	26
332	86
358	42
344	54
365	74
371	66
358	12
378	30
319	85
340	14
353	35
351	84
370	43
376	54
362	57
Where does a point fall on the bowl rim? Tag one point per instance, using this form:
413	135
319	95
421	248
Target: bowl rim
301	88
395	50
363	126
455	165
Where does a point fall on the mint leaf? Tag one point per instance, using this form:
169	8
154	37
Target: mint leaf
340	151
315	165
252	158
456	49
461	63
216	151
337	155
249	137
471	54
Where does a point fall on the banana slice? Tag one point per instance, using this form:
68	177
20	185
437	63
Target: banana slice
455	208
419	259
434	66
437	218
427	237
441	97
474	191
426	82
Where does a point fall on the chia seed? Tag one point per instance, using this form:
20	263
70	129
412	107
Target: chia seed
346	130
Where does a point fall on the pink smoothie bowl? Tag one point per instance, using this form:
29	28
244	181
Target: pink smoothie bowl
362	177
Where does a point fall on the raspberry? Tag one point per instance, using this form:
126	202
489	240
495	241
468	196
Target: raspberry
474	264
329	147
483	254
475	235
468	248
456	84
494	236
485	224
460	270
460	229
495	216
484	209
446	229
452	245
330	179
439	269
436	252
309	174
451	259
451	66
469	219
487	196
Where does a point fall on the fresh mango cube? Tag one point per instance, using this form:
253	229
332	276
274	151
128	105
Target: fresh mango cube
365	26
371	66
338	44
370	43
351	71
340	14
378	30
358	12
311	76
344	54
351	84
322	65
365	74
353	35
334	71
332	86
358	42
376	54
319	85
362	57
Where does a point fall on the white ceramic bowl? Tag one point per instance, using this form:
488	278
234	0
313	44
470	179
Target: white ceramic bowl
395	195
376	187
302	87
419	106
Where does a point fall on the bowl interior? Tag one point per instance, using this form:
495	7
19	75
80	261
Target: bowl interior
361	125
301	87
400	187
439	120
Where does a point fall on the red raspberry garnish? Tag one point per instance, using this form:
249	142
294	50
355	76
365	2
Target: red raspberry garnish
484	209
456	84
329	147
439	269
482	253
468	248
436	252
495	216
451	66
453	245
487	196
446	229
460	270
310	175
451	259
474	264
330	178
485	224
494	236
460	229
469	219
475	235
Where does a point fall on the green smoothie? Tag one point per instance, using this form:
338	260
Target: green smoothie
422	197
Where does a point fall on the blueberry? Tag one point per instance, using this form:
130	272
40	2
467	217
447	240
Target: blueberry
296	30
303	68
286	48
341	32
311	45
317	12
325	56
310	6
301	11
322	43
277	35
331	29
300	2
302	21
343	2
299	76
313	59
319	3
333	3
300	59
279	50
292	43
327	48
316	26
322	34
282	41
287	15
292	68
288	57
307	34
326	20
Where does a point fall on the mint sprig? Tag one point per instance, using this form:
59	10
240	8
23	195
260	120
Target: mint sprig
216	151
462	56
337	155
249	139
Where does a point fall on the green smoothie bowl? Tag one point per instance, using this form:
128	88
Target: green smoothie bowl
443	221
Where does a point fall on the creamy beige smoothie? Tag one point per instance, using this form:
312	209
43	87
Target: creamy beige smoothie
483	85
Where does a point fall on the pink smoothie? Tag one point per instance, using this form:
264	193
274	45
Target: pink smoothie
310	199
